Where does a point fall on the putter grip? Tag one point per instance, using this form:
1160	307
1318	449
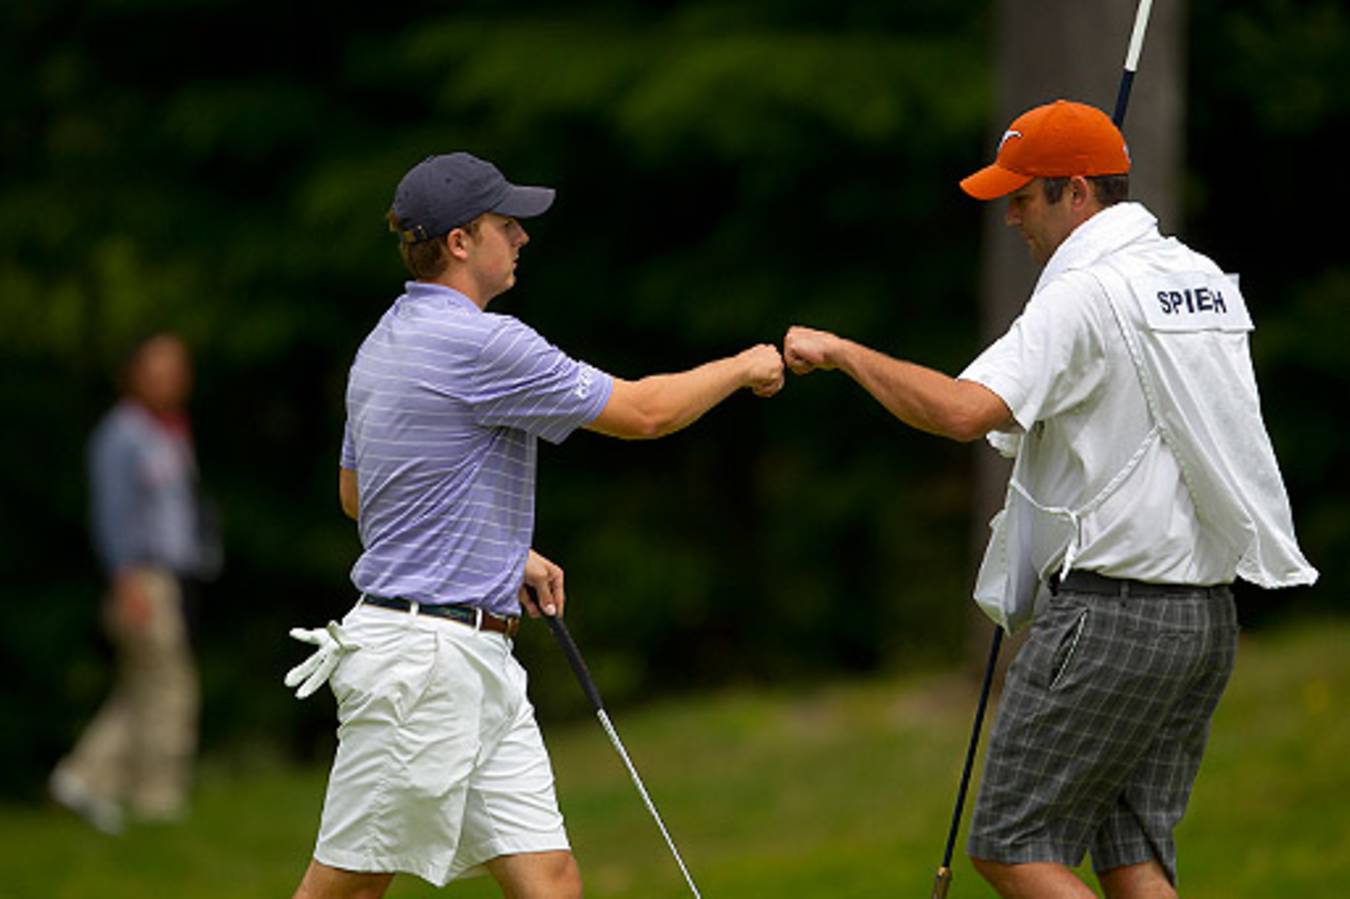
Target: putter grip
574	659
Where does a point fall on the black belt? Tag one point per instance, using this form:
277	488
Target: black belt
473	616
1101	585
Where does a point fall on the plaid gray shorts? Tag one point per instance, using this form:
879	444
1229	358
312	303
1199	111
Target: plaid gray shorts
1101	727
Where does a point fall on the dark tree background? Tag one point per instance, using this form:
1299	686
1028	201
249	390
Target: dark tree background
222	168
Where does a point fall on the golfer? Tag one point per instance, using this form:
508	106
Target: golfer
1144	483
440	769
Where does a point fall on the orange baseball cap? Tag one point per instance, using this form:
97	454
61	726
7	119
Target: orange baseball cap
1057	140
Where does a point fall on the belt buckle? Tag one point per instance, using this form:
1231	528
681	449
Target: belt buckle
478	618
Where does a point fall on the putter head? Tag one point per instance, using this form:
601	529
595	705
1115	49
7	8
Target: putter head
942	883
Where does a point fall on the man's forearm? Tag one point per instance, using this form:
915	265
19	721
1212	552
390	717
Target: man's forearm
662	404
921	397
349	493
911	393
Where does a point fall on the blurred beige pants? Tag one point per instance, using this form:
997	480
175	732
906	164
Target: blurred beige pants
139	749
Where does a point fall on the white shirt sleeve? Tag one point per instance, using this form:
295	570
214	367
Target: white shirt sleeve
1052	358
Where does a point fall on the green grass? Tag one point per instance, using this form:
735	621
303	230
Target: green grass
843	791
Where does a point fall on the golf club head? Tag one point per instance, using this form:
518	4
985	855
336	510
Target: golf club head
942	883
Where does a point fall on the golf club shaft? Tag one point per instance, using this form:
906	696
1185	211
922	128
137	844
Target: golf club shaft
944	875
583	675
1131	61
971	749
646	799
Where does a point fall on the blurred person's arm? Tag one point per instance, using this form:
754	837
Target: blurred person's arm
662	404
347	493
116	499
119	532
130	605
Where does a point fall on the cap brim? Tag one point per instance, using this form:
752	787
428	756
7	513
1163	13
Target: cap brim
524	202
993	181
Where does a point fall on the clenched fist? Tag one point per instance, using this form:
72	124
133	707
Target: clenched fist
763	369
806	349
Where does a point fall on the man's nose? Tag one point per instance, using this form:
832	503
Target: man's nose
1011	217
522	237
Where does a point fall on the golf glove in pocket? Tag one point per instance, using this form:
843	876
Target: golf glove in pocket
311	674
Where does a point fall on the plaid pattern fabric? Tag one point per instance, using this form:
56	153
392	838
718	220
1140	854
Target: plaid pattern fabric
1101	728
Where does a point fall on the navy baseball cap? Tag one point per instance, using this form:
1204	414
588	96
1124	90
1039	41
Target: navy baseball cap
442	193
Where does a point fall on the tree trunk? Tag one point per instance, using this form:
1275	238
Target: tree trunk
1048	50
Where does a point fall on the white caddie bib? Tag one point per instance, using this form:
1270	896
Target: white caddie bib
1215	431
1188	344
1193	301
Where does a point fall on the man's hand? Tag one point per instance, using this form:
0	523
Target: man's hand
806	349
763	369
542	590
130	602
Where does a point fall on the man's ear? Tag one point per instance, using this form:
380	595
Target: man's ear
457	243
1080	192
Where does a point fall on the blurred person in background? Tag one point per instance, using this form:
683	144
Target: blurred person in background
147	520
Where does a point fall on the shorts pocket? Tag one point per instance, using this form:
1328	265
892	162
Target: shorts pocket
1062	659
384	678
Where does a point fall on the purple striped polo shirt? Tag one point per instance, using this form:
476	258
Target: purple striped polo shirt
445	404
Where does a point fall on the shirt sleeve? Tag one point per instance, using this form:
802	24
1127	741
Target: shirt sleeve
347	459
119	532
523	381
1052	357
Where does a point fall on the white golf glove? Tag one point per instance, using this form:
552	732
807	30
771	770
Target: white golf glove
312	673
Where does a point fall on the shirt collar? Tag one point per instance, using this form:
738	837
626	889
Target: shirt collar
426	291
1104	233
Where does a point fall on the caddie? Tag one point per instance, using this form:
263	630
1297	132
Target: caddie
440	769
1144	484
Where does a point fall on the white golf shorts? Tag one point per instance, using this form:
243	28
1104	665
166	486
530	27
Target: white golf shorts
440	765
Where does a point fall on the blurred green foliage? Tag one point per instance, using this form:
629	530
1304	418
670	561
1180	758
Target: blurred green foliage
222	168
